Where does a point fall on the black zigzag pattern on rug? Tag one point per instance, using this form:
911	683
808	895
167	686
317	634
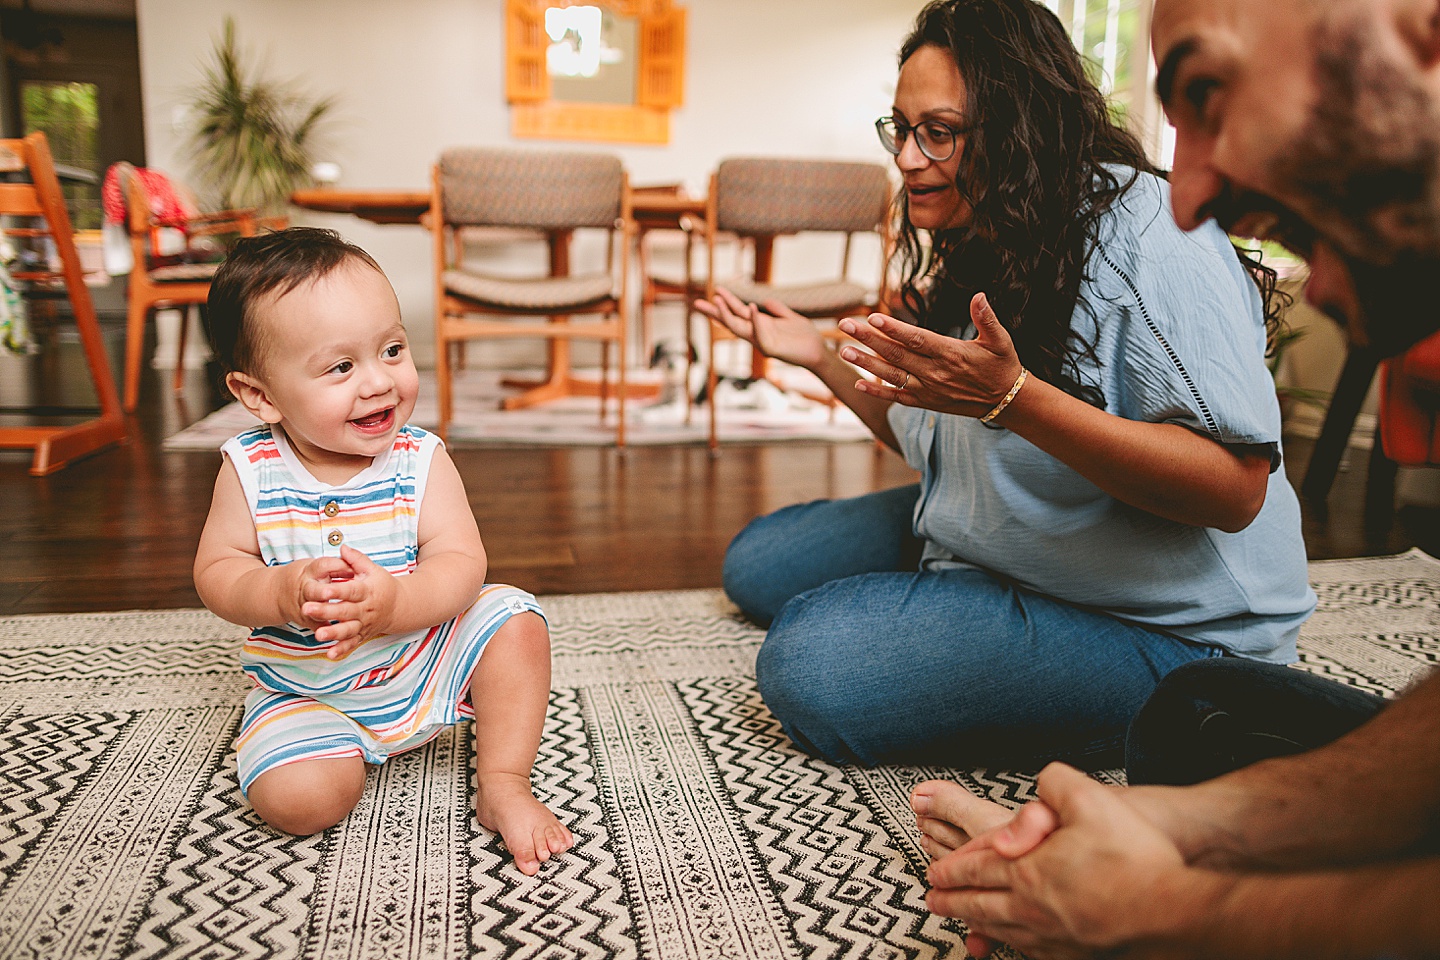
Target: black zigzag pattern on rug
700	831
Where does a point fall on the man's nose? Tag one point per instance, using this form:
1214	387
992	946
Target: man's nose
1194	184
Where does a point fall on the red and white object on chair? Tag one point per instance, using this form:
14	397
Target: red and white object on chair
1410	405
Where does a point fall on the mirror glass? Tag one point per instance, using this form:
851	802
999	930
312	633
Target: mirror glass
593	55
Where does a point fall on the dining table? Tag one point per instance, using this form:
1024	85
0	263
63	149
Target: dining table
377	206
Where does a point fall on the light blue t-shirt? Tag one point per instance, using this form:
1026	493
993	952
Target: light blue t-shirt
1177	327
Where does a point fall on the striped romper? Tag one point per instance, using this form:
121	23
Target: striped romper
393	693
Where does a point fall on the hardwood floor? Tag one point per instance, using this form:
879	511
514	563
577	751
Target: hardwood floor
118	530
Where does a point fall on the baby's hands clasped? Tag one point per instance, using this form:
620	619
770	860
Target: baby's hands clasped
308	585
346	600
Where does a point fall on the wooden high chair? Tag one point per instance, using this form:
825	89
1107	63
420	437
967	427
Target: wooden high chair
41	200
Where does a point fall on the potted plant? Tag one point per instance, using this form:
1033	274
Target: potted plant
253	139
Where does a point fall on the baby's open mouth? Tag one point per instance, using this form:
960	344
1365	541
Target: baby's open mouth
377	419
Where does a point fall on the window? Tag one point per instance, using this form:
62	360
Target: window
68	114
1114	37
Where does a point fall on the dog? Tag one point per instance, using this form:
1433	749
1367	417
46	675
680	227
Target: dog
673	359
731	392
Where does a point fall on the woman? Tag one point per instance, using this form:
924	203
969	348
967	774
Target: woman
1086	399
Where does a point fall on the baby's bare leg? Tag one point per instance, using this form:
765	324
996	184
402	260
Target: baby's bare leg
510	691
309	796
948	815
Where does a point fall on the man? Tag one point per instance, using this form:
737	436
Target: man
1317	123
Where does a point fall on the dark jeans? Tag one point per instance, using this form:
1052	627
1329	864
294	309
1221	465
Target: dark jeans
1209	717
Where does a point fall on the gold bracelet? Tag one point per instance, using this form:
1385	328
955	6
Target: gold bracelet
999	407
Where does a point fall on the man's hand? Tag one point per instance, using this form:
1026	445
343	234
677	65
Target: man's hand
352	610
1072	875
950	817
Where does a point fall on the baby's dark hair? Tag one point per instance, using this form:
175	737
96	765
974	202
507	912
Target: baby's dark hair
271	264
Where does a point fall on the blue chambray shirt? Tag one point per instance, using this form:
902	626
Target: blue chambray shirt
1176	324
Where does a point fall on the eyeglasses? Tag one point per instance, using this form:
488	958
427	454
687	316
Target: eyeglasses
936	140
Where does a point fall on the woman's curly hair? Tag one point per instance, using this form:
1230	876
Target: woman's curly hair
1043	162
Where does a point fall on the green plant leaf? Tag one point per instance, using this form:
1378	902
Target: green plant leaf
253	139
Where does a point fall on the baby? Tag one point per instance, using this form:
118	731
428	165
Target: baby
344	538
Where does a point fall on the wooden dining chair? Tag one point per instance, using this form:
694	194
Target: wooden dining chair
157	282
34	210
555	193
762	198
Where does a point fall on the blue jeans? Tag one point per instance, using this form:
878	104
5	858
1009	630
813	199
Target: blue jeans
868	662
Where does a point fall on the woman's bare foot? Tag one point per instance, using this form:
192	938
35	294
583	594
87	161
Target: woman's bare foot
948	815
505	805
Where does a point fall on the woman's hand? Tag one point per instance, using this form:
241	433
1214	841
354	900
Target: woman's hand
771	327
923	369
1165	469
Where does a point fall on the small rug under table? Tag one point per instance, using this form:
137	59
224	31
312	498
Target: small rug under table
700	831
759	413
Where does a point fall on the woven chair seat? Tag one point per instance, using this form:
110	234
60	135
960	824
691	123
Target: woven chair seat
545	295
673	276
182	272
810	300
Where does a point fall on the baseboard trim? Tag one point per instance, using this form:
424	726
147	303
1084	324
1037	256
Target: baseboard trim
1305	422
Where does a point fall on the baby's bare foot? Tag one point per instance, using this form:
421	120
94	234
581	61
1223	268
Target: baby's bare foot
505	805
948	815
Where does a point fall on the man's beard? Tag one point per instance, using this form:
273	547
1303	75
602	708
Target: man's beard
1368	159
1368	163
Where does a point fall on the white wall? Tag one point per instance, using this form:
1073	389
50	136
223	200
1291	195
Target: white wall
789	77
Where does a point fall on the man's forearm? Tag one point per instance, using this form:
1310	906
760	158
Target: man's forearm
1368	796
1381	910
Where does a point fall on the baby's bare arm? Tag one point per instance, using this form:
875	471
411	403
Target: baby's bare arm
451	566
231	578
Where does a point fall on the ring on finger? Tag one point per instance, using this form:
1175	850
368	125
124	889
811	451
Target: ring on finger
906	383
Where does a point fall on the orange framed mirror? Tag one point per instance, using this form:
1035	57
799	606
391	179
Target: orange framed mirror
594	70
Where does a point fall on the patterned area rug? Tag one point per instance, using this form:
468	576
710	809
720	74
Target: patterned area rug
762	413
700	831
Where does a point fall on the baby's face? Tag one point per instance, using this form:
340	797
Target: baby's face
337	367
